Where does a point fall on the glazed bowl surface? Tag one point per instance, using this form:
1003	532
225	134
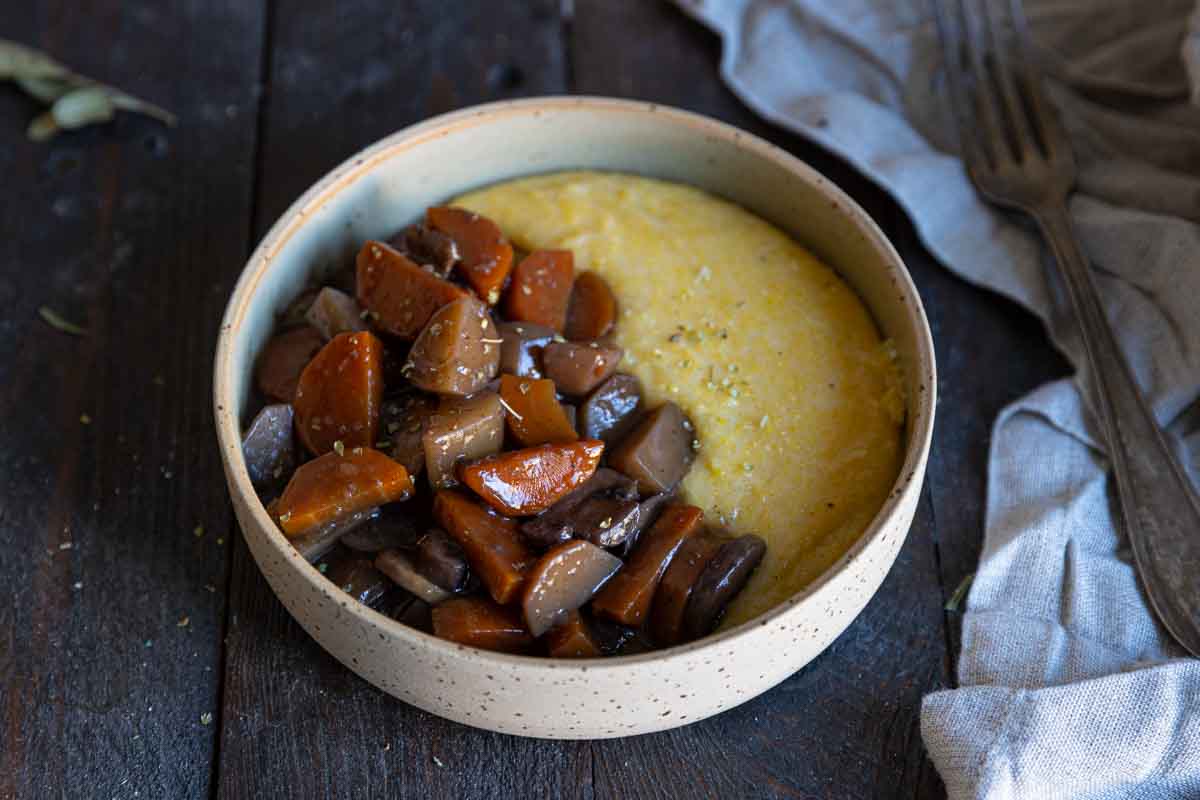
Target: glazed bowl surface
391	183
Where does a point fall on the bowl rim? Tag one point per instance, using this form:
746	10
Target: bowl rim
919	430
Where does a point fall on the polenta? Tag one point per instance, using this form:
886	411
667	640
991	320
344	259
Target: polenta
795	397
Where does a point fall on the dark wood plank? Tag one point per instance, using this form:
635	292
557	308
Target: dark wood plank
110	622
296	723
846	725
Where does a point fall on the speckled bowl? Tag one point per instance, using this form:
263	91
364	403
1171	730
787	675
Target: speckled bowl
392	182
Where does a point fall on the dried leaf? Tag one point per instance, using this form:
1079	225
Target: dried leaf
75	100
83	107
53	319
960	594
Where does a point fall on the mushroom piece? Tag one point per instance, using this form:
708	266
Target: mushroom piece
358	578
562	580
403	421
479	622
560	522
612	409
442	560
659	451
521	348
577	367
671	599
428	247
283	359
456	353
392	527
397	566
722	579
461	430
333	312
318	541
268	446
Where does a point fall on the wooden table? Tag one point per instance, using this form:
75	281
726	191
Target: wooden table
141	652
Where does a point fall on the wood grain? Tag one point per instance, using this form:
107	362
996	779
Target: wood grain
135	232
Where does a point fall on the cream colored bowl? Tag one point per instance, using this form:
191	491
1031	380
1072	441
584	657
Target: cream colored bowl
392	182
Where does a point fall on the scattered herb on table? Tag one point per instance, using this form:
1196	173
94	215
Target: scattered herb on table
56	321
960	594
74	100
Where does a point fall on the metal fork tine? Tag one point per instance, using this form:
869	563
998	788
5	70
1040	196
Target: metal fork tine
1045	120
955	69
995	141
1016	114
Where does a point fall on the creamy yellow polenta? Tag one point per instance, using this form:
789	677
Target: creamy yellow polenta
795	397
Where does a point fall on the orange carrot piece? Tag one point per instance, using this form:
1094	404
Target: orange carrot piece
479	622
335	486
541	289
572	639
592	309
340	393
626	598
534	414
491	543
487	257
524	482
399	295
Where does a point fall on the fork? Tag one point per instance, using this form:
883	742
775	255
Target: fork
1018	156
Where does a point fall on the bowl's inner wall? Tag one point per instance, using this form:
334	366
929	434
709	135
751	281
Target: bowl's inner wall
393	183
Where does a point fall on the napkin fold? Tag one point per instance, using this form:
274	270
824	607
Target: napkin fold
1068	687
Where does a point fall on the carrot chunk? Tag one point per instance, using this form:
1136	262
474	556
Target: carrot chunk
627	597
491	543
399	295
541	288
486	256
339	485
339	394
535	415
592	309
524	482
479	622
572	639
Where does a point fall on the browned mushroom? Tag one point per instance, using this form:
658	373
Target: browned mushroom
559	522
457	353
722	579
479	622
612	409
627	597
319	540
521	348
576	367
562	580
572	639
462	429
394	526
404	421
333	312
442	560
268	445
490	541
399	567
648	511
659	451
358	578
428	247
671	599
283	359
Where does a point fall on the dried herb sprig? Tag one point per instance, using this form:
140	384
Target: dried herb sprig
56	320
74	100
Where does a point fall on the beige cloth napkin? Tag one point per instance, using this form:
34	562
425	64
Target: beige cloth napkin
1068	687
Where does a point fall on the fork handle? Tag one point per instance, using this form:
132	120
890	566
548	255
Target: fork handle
1160	508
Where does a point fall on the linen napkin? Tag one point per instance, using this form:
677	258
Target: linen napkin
1068	686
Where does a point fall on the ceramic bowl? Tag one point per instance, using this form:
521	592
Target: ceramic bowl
391	183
